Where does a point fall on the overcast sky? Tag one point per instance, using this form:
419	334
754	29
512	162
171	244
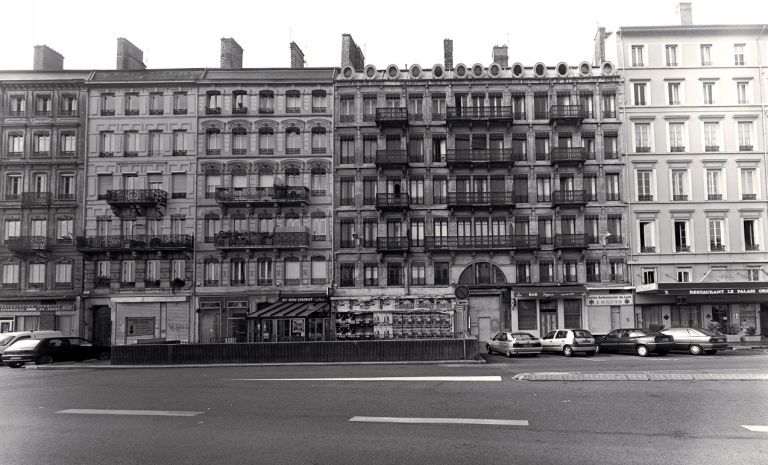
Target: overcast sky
186	34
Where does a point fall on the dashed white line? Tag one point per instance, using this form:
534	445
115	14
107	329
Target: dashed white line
449	421
756	428
156	413
386	378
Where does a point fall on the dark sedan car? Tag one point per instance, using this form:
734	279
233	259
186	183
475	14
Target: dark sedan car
56	349
640	341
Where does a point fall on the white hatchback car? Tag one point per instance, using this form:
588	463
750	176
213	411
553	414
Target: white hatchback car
569	341
514	343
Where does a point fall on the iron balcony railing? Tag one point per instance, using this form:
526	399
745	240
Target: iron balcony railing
400	200
572	197
141	242
284	194
391	116
570	241
481	198
392	244
36	199
495	113
454	156
261	240
468	242
29	243
567	112
391	157
137	196
563	155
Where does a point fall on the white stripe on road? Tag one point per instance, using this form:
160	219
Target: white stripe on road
385	378
450	421
157	413
757	428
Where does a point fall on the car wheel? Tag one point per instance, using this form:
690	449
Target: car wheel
695	350
508	354
15	364
591	354
642	350
567	351
44	360
104	355
710	352
488	348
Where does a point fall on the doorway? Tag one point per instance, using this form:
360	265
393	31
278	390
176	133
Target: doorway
547	316
101	328
764	320
483	329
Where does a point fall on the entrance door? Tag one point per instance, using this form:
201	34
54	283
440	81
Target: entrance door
547	321
615	317
101	330
764	320
483	329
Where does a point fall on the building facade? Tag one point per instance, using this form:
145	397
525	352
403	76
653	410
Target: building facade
695	123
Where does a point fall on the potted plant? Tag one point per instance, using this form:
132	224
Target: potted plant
750	335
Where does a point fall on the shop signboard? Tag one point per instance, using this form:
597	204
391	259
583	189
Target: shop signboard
610	299
140	327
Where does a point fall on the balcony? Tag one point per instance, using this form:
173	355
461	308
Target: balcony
745	148
678	148
525	242
570	241
393	201
392	117
23	245
748	196
711	148
232	240
392	157
240	110
481	199
680	197
392	244
448	243
35	199
574	198
479	156
156	111
682	248
262	196
564	156
567	113
645	197
212	110
138	201
469	114
648	249
135	243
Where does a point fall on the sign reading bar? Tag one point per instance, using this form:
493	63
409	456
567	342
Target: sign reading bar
610	299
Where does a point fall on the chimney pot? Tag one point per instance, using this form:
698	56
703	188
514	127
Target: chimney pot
47	59
231	54
685	11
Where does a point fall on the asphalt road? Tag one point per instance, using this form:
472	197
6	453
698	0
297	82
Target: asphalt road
266	415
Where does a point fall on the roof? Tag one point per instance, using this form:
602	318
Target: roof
689	28
146	75
271	74
58	76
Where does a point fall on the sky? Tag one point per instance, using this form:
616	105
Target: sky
187	34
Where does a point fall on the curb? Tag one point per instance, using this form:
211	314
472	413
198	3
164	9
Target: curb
232	365
641	377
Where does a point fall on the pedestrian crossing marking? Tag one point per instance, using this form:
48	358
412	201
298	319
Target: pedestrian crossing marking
756	428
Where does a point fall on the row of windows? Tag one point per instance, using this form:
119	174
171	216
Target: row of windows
148	226
673	55
675	93
265	272
680	188
128	272
214	101
132	103
213	225
12	227
684	274
291	177
711	140
180	183
41	144
39	183
36	275
43	105
717	236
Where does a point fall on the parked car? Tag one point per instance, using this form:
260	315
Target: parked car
640	341
56	349
6	339
569	341
514	343
697	340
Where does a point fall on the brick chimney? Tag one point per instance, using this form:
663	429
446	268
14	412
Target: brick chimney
351	54
501	55
129	56
47	59
600	37
686	13
231	54
448	53
297	56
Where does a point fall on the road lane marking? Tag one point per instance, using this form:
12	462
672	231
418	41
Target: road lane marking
449	421
157	413
757	428
385	378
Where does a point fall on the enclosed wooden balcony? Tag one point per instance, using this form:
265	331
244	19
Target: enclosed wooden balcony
570	241
135	243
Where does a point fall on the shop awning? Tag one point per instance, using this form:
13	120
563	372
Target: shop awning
549	291
290	310
745	288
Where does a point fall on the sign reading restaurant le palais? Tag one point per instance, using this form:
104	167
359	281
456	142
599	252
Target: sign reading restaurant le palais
610	299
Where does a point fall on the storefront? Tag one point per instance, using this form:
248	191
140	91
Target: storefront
291	319
126	320
223	318
57	315
540	309
736	308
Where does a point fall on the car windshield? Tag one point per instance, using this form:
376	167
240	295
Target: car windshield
5	340
582	333
707	332
522	336
25	344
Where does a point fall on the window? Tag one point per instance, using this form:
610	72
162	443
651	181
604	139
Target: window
394	274
318	101
17	106
616	270
745	136
107	148
369	108
706	54
155	181
438	107
415	107
593	271
179	103
12	228
711	130
212	272
716	232
683	275
347	191
319	228
36	275
570	274
156	106
647	236
648	275
15	145
264	271
213	140
590	186
239	141
709	92
13	187
128	273
319	273
540	105
266	101
546	271
418	274
370	232
237	272
319	140
417	190
520	186
682	236
155	145
293	101
612	187
748	182
676	138
130	143
179	142
347	150
523	271
347	233
370	144
178	270
107	104
239	102
292	272
152	273
41	144
442	273
645	185
543	188
671	55
639	93
673	93
637	55
66	187
178	185
742	92
131	104
738	54
749	227
64	230
319	181
714	188
416	149
591	229
680	185
417	232
212	183
370	274
546	230
588	141
642	137
10	275
347	274
609	105
614	230
292	141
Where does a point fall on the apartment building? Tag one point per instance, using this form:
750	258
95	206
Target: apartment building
42	124
476	198
695	121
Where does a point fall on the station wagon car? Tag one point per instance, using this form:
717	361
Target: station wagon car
639	341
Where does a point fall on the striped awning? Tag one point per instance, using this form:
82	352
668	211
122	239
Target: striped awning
290	310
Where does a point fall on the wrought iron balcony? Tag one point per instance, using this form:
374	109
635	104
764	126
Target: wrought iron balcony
499	113
394	117
29	244
262	195
240	110
393	201
525	242
391	157
35	199
151	197
135	243
470	199
568	156
567	113
478	156
232	240
437	243
392	244
570	241
569	198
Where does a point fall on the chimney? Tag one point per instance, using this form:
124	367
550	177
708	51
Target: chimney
297	56
686	13
47	59
351	55
448	53
501	56
600	45
129	56
231	54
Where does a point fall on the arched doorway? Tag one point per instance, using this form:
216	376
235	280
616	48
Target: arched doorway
488	307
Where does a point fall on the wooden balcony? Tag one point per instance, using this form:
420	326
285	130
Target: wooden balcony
481	199
393	201
567	113
565	156
233	240
392	244
470	114
574	198
479	157
136	243
570	241
391	117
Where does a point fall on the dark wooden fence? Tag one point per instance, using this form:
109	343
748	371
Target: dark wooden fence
297	352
